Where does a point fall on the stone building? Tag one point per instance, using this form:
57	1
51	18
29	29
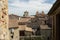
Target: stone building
45	29
28	26
45	32
23	24
42	17
42	21
4	33
37	20
13	27
54	14
18	27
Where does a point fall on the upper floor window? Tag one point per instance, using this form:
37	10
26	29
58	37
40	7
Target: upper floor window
20	23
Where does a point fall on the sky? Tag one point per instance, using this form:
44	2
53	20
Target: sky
18	7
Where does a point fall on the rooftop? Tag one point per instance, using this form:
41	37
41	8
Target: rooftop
44	27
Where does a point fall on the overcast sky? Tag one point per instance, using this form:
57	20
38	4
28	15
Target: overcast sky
19	6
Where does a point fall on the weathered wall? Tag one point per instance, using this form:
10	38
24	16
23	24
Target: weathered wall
46	33
4	35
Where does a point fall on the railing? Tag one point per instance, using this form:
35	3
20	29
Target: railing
32	38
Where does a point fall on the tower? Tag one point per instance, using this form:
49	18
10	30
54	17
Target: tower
25	14
37	13
42	13
4	33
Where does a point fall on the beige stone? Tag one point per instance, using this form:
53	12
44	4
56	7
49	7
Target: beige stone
4	33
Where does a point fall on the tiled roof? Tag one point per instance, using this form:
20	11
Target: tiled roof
24	19
14	15
44	27
13	23
25	28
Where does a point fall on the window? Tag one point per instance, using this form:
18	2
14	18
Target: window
12	32
20	23
21	33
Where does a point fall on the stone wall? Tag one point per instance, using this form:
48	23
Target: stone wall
4	35
46	33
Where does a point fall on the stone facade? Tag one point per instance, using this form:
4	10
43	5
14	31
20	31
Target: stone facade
14	33
18	27
28	26
36	22
4	33
13	27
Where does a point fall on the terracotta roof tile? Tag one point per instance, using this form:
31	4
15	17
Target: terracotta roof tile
24	27
13	23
